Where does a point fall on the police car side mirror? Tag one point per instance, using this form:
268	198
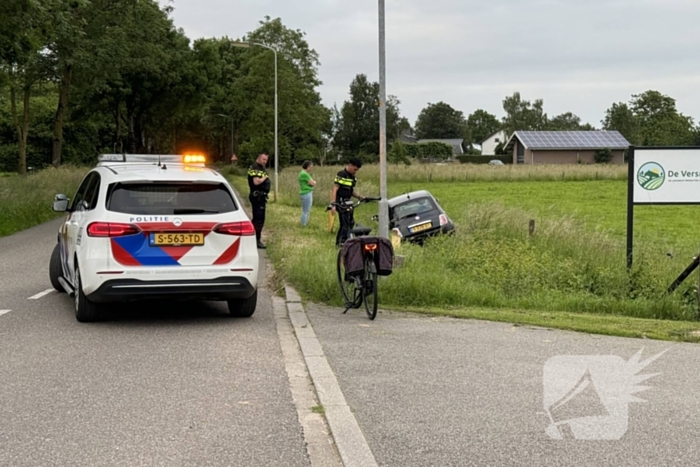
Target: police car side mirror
60	203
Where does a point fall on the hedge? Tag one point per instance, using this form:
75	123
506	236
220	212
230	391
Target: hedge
466	159
430	150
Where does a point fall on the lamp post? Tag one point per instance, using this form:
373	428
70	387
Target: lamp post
247	45
231	118
383	228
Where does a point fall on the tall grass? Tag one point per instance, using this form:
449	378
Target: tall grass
491	261
26	201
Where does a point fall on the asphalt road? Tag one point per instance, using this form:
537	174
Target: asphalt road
445	392
158	385
185	385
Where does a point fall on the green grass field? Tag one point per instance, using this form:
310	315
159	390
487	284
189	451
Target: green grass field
573	266
26	201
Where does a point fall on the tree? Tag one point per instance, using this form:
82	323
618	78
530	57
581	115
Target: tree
85	38
301	113
660	124
568	122
440	121
621	118
481	125
523	115
358	127
23	31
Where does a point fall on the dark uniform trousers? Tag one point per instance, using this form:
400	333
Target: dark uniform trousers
257	205
347	222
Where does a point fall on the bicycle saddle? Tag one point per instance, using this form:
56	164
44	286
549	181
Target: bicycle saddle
361	230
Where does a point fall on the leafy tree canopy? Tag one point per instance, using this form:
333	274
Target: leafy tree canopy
440	121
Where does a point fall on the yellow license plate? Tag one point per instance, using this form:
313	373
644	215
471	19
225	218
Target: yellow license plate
422	227
177	239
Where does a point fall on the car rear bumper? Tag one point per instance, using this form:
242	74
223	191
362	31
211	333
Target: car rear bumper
124	290
421	236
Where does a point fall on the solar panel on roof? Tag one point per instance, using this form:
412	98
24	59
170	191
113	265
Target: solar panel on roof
572	139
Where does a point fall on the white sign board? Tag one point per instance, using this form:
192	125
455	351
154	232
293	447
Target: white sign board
670	176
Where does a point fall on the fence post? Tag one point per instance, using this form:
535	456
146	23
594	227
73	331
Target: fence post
531	227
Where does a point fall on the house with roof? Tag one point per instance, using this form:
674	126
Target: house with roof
407	137
456	143
565	147
488	145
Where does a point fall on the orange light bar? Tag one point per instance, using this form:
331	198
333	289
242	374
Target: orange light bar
194	159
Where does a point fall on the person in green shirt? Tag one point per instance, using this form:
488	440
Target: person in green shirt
306	191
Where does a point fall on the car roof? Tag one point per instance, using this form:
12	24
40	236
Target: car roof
408	196
152	172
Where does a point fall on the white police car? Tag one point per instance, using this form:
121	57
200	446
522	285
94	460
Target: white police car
154	227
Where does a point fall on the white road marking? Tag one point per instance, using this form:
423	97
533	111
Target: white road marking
40	294
3	312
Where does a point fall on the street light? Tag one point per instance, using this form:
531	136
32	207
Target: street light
383	228
231	118
246	45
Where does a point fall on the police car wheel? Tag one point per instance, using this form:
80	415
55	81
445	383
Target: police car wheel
243	308
55	269
85	310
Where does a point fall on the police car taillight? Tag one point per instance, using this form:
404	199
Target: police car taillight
443	219
243	228
111	229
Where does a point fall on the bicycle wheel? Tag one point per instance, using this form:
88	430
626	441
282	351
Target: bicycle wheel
370	287
346	288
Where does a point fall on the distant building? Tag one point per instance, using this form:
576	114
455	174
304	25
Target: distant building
488	145
565	147
407	137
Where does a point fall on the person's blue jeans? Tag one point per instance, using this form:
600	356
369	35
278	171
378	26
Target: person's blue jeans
306	202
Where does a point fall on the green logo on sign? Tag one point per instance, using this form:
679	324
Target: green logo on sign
651	176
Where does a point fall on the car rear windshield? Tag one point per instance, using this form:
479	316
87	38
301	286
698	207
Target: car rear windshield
170	198
413	207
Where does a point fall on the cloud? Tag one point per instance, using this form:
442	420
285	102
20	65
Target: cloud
577	56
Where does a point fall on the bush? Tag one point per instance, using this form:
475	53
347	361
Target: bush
603	156
398	154
431	150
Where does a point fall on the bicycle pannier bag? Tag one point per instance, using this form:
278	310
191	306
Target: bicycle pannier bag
384	258
351	255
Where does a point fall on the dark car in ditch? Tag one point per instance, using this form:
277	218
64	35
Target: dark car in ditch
416	216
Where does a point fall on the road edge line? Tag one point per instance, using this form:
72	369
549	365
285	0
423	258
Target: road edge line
349	439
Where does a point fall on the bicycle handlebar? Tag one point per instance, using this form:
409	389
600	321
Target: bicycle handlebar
352	205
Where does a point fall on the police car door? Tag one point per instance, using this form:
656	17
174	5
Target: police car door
74	228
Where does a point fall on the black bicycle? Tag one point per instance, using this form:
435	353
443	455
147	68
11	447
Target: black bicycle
358	286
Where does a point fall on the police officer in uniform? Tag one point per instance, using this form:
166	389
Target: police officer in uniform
343	190
259	184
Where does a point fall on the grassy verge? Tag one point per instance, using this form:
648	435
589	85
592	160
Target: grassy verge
570	275
26	201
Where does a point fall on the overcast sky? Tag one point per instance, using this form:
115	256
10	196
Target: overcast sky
577	55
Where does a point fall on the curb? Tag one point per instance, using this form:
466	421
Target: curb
351	443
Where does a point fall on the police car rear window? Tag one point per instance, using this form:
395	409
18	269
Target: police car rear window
170	199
